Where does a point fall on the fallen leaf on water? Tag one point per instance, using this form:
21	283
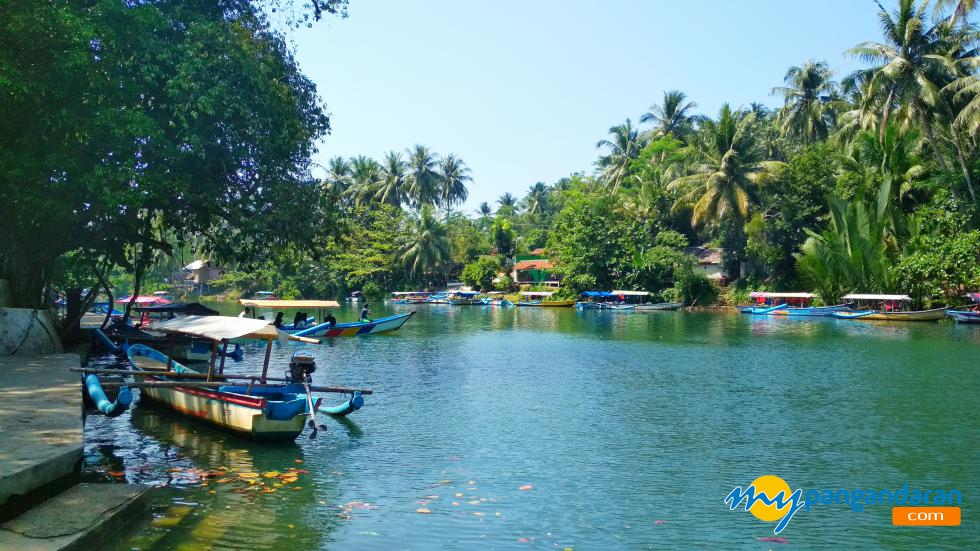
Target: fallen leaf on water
301	471
474	502
421	502
297	487
321	502
771	539
660	522
483	499
526	487
423	511
248	475
174	470
455	504
212	492
445	482
430	497
471	482
270	474
290	526
569	548
289	480
297	460
459	494
117	473
521	540
477	514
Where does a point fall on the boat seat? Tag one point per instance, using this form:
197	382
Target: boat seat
148	364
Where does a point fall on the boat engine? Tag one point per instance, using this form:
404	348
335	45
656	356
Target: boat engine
301	366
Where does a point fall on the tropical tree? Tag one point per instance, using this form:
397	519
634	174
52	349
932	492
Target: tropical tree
424	180
364	175
808	112
506	204
961	9
424	250
672	117
536	200
338	175
894	157
454	174
624	146
389	187
729	165
484	209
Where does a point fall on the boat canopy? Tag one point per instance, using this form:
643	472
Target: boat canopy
596	294
903	298
536	293
494	292
466	293
185	308
765	294
403	293
631	293
975	297
276	303
219	328
145	299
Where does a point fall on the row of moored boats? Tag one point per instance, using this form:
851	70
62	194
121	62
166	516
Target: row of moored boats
863	307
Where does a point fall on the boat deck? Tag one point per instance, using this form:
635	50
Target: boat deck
40	421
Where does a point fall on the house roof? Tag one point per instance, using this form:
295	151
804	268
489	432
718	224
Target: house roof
534	265
704	255
539	250
196	265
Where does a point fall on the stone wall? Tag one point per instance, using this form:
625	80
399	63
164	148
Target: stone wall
27	332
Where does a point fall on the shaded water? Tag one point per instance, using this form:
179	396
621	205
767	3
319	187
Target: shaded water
625	431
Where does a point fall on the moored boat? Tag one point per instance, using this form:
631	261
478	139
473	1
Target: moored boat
786	304
658	306
410	297
970	314
886	308
256	410
465	298
357	328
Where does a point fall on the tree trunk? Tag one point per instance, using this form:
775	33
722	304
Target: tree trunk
966	170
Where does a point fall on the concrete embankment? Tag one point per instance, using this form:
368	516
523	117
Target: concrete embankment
42	506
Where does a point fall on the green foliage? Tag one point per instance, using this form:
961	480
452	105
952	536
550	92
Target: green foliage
504	238
480	273
694	288
585	245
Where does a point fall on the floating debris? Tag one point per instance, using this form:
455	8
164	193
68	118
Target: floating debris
660	522
423	511
526	487
773	539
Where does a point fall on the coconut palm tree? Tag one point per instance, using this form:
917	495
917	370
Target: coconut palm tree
507	200
424	180
390	186
453	176
424	250
365	173
624	146
808	111
895	158
338	177
672	117
536	200
484	209
730	163
961	9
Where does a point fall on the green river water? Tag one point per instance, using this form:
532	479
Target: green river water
551	428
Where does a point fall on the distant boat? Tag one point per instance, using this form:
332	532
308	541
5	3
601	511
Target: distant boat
265	295
886	308
410	297
356	296
786	304
967	316
500	302
659	306
548	303
465	298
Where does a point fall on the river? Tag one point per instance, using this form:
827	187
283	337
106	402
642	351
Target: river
554	429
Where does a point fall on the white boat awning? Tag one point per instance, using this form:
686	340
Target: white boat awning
631	293
257	303
217	328
877	297
536	293
764	294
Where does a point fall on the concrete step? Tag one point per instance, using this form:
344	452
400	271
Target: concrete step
81	518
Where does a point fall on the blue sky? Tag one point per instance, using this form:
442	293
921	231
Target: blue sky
522	91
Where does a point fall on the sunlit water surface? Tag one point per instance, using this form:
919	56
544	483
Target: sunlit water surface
550	428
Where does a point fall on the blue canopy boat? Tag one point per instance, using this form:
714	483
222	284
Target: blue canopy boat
787	304
967	316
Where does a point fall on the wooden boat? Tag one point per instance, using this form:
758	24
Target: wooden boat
465	298
548	303
616	306
763	309
498	302
886	308
357	328
263	412
810	311
410	297
658	306
785	304
964	316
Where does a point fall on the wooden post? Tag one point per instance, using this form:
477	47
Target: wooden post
224	354
265	364
214	355
170	350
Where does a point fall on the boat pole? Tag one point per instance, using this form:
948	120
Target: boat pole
214	356
224	355
265	363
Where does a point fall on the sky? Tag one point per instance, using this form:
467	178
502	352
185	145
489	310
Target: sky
522	91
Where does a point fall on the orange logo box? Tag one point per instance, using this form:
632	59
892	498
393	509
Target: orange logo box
926	516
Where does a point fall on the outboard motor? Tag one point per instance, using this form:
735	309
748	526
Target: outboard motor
301	366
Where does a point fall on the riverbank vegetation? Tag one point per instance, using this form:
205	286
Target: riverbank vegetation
861	182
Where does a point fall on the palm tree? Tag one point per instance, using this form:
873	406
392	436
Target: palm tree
424	250
390	187
537	198
730	163
454	175
484	209
365	173
338	178
895	158
672	117
808	111
623	148
424	179
507	204
908	71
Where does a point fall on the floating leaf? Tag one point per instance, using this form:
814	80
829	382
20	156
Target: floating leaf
270	474
212	492
455	504
521	540
526	487
660	522
423	511
445	482
471	482
430	497
290	526
248	475
297	460
474	502
459	494
477	514
117	473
